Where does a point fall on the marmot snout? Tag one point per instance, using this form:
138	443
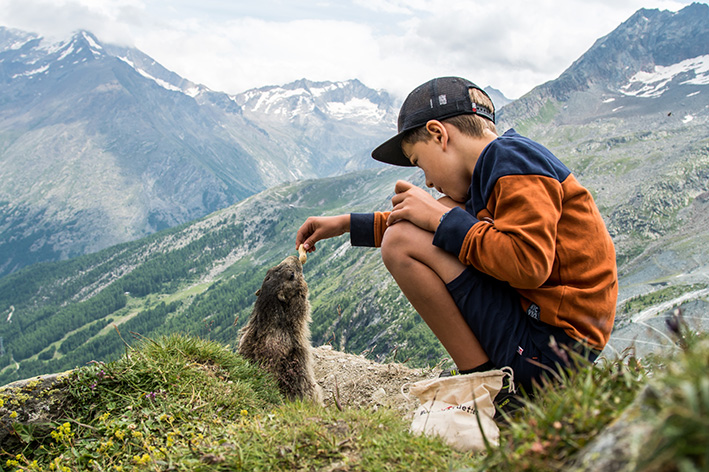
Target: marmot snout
277	335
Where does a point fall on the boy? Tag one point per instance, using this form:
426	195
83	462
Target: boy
515	254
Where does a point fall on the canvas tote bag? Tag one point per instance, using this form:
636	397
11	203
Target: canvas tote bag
459	408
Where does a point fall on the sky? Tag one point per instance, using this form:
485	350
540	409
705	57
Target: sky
235	45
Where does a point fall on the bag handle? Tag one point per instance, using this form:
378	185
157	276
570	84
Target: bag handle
511	374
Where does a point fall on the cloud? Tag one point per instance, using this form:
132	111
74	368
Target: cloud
246	53
113	20
512	45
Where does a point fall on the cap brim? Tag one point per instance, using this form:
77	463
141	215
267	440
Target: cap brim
390	152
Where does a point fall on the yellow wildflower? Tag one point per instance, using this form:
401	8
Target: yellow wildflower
13	415
141	460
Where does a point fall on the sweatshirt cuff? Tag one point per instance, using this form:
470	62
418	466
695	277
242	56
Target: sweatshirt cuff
362	229
451	232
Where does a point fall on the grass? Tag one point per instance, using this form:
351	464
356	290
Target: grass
181	403
567	412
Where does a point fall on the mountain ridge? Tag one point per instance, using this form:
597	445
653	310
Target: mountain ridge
99	144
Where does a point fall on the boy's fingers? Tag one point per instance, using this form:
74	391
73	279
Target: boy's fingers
402	186
396	199
305	234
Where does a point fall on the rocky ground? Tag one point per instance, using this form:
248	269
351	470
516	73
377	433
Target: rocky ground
354	381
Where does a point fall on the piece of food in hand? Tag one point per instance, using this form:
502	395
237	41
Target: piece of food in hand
302	255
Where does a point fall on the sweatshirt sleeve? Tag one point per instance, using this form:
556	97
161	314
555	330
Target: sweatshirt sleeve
519	245
367	229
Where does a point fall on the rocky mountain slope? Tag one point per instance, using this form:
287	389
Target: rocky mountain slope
100	144
630	118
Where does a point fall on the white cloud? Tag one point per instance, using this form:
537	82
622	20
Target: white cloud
246	53
112	20
512	45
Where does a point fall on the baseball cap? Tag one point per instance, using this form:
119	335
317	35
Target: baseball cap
437	99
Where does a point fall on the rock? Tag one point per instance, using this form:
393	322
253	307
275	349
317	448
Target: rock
620	446
30	405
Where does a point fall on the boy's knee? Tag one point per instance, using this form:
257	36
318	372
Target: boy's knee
395	242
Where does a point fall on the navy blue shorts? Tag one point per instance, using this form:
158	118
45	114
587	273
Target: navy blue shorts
508	336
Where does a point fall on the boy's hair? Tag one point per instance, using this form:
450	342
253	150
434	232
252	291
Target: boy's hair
469	124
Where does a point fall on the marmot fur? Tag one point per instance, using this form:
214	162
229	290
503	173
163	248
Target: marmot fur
277	335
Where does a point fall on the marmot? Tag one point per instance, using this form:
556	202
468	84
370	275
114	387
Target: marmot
277	335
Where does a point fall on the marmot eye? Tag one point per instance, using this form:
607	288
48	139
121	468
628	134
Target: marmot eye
292	275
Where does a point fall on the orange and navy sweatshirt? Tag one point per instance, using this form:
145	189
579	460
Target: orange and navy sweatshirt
530	223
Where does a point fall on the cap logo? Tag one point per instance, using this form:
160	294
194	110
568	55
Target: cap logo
442	100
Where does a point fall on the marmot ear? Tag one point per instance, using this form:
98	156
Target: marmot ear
258	292
281	296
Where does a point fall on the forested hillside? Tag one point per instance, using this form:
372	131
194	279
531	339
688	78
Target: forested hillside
201	279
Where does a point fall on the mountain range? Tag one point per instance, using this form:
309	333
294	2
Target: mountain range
629	118
99	144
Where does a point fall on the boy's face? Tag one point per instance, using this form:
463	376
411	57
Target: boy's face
445	170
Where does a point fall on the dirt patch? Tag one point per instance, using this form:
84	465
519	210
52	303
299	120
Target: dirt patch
358	382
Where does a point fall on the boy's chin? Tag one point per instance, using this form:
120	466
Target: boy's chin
450	200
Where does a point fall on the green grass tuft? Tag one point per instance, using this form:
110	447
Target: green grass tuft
181	403
566	413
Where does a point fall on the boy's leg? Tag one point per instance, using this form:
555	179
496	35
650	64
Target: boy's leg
422	271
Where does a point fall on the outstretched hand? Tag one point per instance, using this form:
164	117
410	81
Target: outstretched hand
415	205
316	228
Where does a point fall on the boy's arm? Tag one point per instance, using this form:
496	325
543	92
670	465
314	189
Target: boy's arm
367	229
519	245
316	228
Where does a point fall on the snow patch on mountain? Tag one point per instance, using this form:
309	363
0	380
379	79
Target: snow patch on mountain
275	97
32	72
654	83
94	45
18	44
66	52
191	92
291	102
356	108
318	91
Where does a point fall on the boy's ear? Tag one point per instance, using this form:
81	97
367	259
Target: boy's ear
437	131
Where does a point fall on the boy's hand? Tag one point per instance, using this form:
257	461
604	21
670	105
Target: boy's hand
316	228
417	206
